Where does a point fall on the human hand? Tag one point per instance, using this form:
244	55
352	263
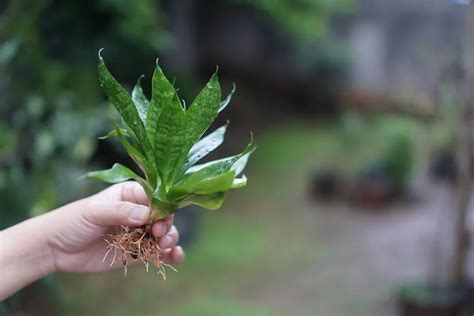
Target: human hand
71	238
76	231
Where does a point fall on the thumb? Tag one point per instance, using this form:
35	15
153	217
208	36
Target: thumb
117	213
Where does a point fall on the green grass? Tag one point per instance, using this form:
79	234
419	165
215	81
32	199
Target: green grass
219	306
227	248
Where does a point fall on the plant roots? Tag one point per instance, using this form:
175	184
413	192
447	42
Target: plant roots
136	244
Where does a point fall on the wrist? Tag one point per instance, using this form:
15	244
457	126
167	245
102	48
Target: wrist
25	245
25	256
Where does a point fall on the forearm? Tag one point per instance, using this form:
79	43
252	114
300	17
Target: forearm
24	255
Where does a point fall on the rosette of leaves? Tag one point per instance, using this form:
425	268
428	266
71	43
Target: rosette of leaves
165	139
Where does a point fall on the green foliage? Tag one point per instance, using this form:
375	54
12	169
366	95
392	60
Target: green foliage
398	159
49	117
49	94
427	294
165	140
305	19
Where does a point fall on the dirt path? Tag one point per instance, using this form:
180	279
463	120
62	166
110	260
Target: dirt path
365	256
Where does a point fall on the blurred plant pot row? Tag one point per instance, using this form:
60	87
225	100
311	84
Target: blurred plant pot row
423	299
379	183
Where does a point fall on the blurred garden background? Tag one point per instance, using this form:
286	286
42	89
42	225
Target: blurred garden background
358	200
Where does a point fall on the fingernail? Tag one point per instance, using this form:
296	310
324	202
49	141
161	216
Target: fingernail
166	242
139	213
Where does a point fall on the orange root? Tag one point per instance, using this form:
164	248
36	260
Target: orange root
136	244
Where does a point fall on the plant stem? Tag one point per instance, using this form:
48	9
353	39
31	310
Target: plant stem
159	210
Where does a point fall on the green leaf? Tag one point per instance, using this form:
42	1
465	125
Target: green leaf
114	133
239	182
147	168
178	129
204	147
215	176
220	183
118	173
123	102
164	140
240	164
226	102
210	202
195	184
234	163
204	109
120	99
171	138
161	209
129	148
163	94
140	100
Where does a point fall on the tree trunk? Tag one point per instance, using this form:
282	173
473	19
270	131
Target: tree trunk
464	154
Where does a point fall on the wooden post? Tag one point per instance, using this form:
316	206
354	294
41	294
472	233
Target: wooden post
464	154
